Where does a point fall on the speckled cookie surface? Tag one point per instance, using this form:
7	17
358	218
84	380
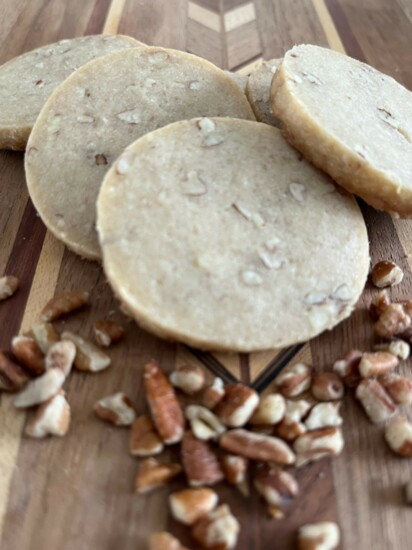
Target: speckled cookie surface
350	120
27	81
101	109
258	91
216	233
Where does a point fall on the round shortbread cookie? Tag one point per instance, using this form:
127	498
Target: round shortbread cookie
217	233
350	120
27	81
258	91
97	112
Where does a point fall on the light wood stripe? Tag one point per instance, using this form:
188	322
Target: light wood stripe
204	16
12	421
114	16
239	16
328	26
250	67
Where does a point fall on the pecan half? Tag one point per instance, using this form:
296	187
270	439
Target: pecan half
375	400
377	363
188	378
398	387
318	444
398	435
271	410
64	303
347	368
264	448
327	386
144	439
213	394
166	411
294	381
237	405
219	530
107	332
200	462
204	423
190	505
153	474
386	273
319	536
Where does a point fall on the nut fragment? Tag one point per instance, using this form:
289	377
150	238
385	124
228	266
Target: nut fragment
200	462
152	474
219	530
107	332
257	446
295	381
64	303
26	350
271	410
188	378
61	356
347	368
204	423
379	303
327	386
144	440
237	405
89	357
375	400
166	411
297	410
45	335
276	486
51	418
189	505
317	444
12	376
398	435
8	286
400	348
324	415
290	429
377	363
386	273
398	387
235	469
164	541
393	321
319	536
408	492
116	409
213	394
40	389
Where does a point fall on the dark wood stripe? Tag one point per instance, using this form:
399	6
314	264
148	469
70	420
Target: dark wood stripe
239	67
275	367
214	365
244	359
349	40
22	264
98	17
212	5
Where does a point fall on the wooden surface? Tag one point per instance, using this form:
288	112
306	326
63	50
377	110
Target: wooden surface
77	493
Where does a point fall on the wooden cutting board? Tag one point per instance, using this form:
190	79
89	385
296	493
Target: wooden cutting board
77	492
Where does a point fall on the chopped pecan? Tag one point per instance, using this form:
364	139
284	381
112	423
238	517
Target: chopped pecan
12	376
190	505
277	487
375	400
153	474
294	381
64	303
213	394
51	418
188	378
324	415
40	389
398	435
219	530
26	350
107	332
392	322
376	363
200	462
166	411
319	536
8	286
144	439
271	410
327	386
116	409
400	348
89	358
318	444
348	368
235	469
398	387
255	446
386	273
237	405
204	423
61	356
45	335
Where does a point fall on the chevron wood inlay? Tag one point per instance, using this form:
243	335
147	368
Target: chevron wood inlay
77	492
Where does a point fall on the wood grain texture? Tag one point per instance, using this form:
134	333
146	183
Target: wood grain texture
77	492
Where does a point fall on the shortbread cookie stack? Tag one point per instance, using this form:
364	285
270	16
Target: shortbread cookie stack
212	228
